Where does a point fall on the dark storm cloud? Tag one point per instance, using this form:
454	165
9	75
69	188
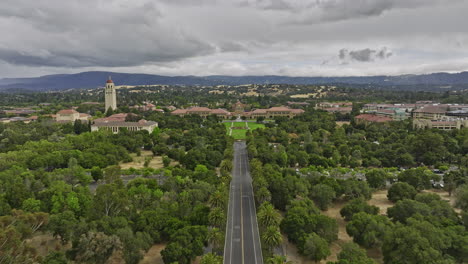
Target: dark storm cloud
200	37
364	55
80	33
232	47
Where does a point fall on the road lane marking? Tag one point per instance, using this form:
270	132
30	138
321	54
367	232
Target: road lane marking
242	210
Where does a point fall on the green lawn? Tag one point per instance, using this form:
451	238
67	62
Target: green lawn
240	133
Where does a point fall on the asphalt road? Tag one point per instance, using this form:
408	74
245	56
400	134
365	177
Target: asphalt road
242	245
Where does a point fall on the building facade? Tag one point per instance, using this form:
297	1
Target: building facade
70	115
116	126
447	124
255	114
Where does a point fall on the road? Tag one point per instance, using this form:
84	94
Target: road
242	245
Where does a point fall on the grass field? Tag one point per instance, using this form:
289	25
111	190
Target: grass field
240	133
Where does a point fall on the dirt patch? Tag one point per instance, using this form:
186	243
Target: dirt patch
153	255
341	123
139	161
343	237
379	199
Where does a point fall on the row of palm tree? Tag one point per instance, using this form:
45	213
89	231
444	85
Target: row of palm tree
267	216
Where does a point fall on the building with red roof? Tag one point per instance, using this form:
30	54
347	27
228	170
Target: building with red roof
71	115
222	113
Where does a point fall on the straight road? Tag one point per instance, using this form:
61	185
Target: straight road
242	245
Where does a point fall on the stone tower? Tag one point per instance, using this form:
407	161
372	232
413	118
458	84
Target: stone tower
111	95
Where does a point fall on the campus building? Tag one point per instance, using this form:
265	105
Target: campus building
116	126
70	115
445	124
203	112
255	114
116	122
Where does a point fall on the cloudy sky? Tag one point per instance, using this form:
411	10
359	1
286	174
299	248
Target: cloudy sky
233	37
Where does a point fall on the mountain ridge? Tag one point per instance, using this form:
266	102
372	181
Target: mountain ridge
94	79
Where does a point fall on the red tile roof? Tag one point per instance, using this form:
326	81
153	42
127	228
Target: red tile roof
433	109
179	111
278	108
113	118
199	109
67	112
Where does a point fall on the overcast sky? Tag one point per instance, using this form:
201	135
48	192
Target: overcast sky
233	37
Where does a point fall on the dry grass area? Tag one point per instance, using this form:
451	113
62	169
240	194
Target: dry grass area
303	95
379	199
343	237
139	162
341	123
44	243
153	256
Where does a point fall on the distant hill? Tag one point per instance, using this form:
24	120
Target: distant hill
95	79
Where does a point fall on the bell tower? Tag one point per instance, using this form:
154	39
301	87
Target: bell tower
110	95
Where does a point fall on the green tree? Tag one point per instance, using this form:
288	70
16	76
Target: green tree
216	239
31	205
406	245
368	230
211	258
400	191
352	253
315	247
376	178
96	173
322	195
62	224
268	216
420	178
96	247
217	218
277	259
353	188
55	257
110	200
461	197
271	237
356	206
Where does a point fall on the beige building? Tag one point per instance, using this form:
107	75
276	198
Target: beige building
266	113
203	112
431	112
447	124
110	95
70	115
115	126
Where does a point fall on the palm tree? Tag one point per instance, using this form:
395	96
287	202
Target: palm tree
271	237
217	218
217	200
263	195
226	166
216	239
277	259
268	216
